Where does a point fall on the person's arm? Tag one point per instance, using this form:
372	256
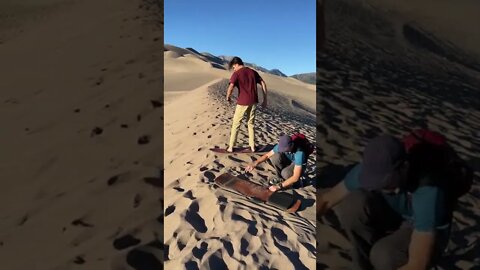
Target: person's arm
297	172
427	205
331	198
263	158
420	250
229	91
264	89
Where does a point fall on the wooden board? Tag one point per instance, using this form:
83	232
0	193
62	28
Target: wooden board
282	200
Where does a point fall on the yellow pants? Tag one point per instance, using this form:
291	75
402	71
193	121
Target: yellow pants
240	111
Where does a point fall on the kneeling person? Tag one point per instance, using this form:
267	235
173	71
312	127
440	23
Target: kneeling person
289	159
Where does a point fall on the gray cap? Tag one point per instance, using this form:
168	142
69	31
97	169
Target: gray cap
381	157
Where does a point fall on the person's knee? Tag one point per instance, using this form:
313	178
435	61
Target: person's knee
352	208
287	173
385	256
276	159
236	124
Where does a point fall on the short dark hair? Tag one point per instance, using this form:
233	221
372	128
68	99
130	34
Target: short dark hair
235	60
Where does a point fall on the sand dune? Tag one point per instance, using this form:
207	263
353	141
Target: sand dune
448	21
186	70
209	228
370	83
80	163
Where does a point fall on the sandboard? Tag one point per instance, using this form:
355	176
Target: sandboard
243	150
282	200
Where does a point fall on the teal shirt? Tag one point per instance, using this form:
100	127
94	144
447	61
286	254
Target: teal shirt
299	157
425	207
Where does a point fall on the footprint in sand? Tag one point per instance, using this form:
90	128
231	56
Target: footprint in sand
207	177
23	220
228	247
139	259
125	242
192	217
96	131
154	181
145	139
99	81
244	247
79	260
199	252
235	159
216	262
179	189
219	164
169	210
189	195
80	222
112	180
191	265
156	103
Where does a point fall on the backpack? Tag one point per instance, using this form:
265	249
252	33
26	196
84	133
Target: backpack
429	152
300	141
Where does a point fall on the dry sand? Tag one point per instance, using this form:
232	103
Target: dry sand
209	228
79	78
373	80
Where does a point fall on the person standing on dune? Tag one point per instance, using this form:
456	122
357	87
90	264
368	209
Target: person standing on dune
246	80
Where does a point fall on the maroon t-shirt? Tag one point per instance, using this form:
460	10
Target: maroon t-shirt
246	79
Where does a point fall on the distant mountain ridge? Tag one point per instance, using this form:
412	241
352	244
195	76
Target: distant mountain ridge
310	77
257	67
222	61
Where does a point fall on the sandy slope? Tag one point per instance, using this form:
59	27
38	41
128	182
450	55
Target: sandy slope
210	228
370	82
185	70
76	96
451	21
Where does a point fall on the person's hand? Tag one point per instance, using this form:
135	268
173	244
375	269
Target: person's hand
273	188
229	99
250	167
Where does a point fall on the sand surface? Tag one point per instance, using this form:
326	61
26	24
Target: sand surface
210	228
373	80
81	85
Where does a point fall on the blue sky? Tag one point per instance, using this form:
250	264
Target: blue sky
270	33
